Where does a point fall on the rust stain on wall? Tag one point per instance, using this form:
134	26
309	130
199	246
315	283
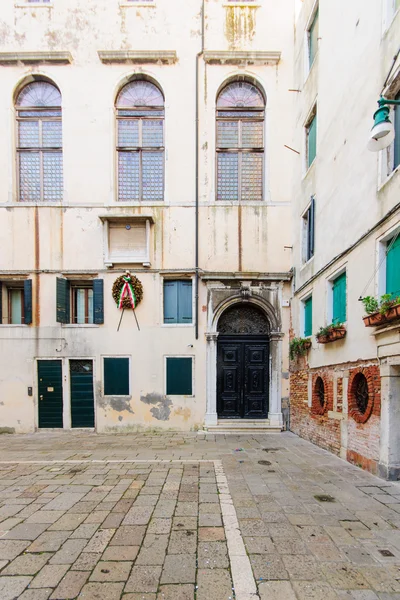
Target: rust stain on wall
240	25
179	411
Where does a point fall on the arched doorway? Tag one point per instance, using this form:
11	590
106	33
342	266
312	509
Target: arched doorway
243	357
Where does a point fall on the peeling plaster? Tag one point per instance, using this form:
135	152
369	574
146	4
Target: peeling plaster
183	412
117	403
162	411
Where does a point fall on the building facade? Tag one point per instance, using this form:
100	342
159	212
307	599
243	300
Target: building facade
346	217
145	137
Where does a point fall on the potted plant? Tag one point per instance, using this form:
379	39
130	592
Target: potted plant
381	311
330	333
298	347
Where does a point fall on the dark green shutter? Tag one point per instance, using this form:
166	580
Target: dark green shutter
311	229
179	376
98	301
339	299
28	301
396	143
116	376
308	317
62	300
170	301
184	302
312	141
393	269
313	38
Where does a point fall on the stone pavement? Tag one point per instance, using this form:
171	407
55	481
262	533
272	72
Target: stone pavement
172	516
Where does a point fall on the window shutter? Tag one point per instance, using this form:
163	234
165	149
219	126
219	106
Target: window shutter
184	301
28	301
116	376
396	143
62	300
339	299
170	301
393	269
98	301
312	141
313	38
179	376
308	317
311	225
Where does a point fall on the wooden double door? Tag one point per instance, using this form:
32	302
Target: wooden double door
242	377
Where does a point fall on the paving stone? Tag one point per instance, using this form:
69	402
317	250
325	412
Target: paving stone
159	526
145	501
26	531
97	516
68	553
64	501
111	571
164	509
213	584
68	522
314	590
130	536
153	550
49	541
175	592
179	568
86	561
212	555
71	585
42	594
100	540
183	542
143	579
49	576
210	521
102	591
112	521
259	545
276	590
302	567
139	597
120	553
138	515
344	576
267	567
385	579
11	587
180	523
3	563
186	509
45	516
9	549
26	564
85	531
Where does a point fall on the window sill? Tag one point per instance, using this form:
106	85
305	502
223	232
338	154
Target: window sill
13	325
309	169
389	178
180	325
310	69
307	263
80	325
389	25
137	4
34	5
241	4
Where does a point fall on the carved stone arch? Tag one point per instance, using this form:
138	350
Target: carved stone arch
237	300
243	319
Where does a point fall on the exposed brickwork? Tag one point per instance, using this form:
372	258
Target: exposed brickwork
372	375
321	425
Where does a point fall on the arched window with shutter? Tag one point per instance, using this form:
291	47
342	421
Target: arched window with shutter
140	142
240	142
39	143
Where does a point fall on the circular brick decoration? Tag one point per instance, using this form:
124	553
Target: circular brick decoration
361	395
319	395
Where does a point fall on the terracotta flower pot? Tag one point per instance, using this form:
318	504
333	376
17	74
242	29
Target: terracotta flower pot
377	318
323	339
333	335
393	313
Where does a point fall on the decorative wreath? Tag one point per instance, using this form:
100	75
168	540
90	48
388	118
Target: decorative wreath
127	291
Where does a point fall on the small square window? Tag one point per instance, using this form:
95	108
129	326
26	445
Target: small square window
127	240
308	222
116	376
311	138
177	301
179	376
307	306
16	303
312	38
82	303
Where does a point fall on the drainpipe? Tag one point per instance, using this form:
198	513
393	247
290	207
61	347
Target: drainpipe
198	56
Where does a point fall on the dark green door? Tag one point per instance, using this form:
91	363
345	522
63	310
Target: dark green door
50	393
82	400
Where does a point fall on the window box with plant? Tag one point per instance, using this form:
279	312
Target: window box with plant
331	333
298	347
381	311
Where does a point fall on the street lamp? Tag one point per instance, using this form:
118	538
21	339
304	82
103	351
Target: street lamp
382	132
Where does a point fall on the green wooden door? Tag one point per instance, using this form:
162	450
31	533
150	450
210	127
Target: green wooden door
393	269
50	394
82	399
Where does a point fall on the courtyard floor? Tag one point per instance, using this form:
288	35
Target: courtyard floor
172	516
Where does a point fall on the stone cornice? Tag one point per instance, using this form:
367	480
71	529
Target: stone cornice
28	58
164	57
223	57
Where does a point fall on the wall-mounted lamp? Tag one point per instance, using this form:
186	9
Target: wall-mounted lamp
382	132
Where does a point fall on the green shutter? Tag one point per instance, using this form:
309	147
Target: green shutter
312	141
116	376
393	269
62	300
28	301
179	376
339	299
396	143
313	38
170	301
185	302
308	317
98	301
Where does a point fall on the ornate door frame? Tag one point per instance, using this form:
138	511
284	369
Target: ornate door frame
275	360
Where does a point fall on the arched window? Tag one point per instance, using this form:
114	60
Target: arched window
140	142
39	143
240	142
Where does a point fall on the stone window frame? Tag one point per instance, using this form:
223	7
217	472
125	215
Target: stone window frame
316	408
353	409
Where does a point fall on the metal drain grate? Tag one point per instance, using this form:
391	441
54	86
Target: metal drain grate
386	552
324	498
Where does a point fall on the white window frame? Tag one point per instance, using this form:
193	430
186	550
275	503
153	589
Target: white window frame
304	235
131	259
380	283
313	112
329	292
129	357
306	52
302	318
192	356
176	277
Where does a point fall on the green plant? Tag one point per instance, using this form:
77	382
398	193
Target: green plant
371	304
298	347
326	330
386	303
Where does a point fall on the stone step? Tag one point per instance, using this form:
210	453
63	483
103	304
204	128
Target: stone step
243	426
